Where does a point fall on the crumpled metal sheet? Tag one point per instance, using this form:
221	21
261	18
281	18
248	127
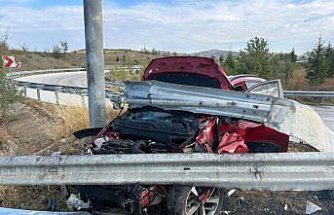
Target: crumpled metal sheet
287	116
11	211
303	123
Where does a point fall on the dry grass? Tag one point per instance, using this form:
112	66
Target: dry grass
298	82
60	122
328	85
40	60
31	197
71	119
3	140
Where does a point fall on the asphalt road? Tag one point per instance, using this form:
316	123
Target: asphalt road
79	79
327	115
75	79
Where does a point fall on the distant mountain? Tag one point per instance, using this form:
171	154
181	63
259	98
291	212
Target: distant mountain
213	52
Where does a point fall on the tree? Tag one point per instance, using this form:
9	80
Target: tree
330	60
229	63
317	65
221	60
282	66
289	66
154	51
293	56
64	46
4	44
56	51
255	59
123	59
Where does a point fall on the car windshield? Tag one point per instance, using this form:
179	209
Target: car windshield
187	79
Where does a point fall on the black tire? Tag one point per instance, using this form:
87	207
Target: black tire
181	198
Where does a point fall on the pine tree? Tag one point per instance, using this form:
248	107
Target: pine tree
317	68
330	60
290	66
255	59
229	63
293	56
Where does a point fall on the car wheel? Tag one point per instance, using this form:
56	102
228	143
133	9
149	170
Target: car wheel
185	200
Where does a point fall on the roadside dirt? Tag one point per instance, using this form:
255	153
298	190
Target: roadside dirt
278	203
27	131
33	128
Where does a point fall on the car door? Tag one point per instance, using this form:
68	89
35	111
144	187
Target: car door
272	88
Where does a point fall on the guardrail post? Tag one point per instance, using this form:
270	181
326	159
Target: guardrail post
38	94
57	97
95	62
24	91
83	102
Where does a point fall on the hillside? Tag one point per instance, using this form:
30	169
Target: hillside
213	52
44	60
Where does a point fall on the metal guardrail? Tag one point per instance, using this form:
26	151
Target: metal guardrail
12	211
77	69
44	71
56	89
291	93
111	84
52	87
273	171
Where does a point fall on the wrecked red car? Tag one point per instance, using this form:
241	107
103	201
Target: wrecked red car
152	129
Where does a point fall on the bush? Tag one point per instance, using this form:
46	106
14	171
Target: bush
56	52
8	92
8	95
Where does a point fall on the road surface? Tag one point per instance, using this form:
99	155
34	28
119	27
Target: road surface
327	115
74	79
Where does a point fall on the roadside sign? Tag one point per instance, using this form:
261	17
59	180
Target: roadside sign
10	62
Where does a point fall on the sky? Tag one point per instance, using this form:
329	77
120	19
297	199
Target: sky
172	25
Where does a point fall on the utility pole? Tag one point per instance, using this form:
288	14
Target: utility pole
95	63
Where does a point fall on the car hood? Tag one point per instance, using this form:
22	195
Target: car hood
187	64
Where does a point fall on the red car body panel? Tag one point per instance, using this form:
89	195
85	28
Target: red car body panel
185	64
243	81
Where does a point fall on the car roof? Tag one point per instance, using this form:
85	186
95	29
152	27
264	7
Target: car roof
236	79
